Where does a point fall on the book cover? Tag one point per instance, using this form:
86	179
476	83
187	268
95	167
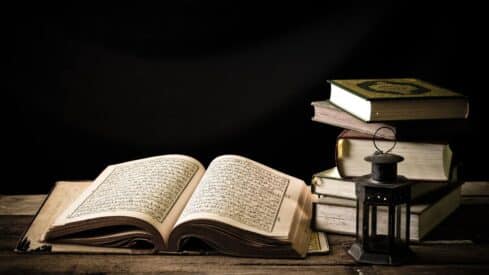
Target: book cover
450	130
395	88
326	112
397	99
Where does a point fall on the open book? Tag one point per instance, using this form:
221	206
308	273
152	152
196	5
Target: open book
171	204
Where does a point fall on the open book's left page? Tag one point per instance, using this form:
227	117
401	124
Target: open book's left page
62	194
132	204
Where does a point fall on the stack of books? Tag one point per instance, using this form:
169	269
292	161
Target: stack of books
420	119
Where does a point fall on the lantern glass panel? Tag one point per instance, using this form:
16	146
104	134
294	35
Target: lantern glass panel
402	230
378	230
373	222
387	227
360	221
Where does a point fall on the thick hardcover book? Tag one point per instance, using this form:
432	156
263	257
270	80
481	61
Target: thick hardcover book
330	183
338	215
171	204
397	99
326	112
424	161
413	130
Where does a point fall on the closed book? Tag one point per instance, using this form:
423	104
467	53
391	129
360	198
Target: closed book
330	183
397	99
426	161
338	215
326	112
433	129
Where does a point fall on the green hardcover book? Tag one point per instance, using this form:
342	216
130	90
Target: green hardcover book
397	99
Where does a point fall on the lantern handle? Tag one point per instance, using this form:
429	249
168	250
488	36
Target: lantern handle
379	151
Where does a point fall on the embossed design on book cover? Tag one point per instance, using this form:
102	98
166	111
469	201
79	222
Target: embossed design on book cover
394	88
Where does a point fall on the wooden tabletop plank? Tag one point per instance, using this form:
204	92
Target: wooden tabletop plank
209	264
11	227
140	264
16	212
20	204
430	269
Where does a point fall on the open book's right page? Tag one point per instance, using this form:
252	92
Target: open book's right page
244	194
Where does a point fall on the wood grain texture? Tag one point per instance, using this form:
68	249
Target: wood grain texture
20	204
457	258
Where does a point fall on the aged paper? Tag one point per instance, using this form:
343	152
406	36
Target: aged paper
318	243
240	190
63	193
152	189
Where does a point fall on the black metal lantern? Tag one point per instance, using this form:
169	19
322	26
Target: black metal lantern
383	212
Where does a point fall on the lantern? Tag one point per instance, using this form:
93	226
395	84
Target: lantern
383	212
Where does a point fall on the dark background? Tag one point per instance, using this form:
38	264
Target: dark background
85	91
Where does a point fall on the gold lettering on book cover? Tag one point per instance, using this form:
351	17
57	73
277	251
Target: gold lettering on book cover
150	187
240	190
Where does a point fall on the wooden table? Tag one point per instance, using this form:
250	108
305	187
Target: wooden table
468	254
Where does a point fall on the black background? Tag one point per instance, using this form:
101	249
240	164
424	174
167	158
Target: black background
84	91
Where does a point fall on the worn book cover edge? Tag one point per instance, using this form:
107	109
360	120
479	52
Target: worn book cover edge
23	243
